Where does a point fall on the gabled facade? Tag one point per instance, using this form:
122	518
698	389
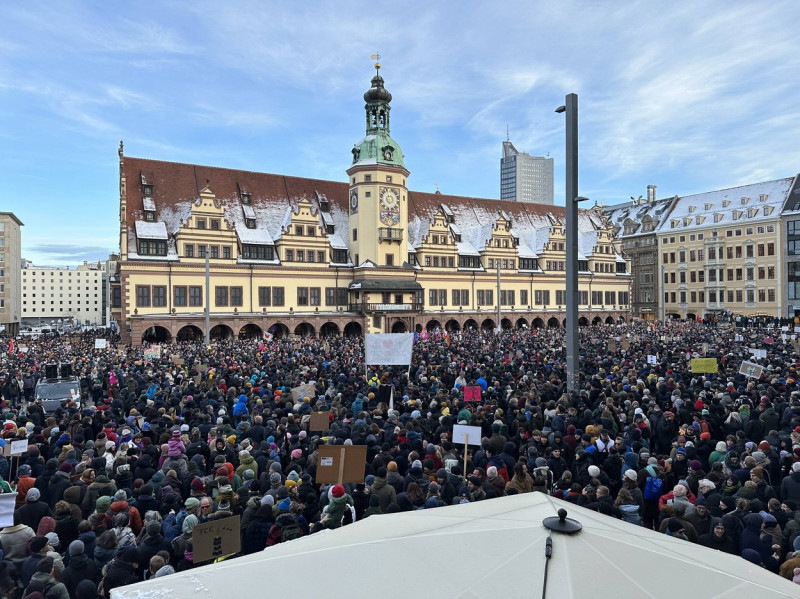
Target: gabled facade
288	255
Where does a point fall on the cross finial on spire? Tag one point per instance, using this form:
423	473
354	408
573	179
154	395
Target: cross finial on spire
376	57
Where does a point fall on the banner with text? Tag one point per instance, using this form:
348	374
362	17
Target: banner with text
388	348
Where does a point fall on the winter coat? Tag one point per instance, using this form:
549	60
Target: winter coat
119	574
80	568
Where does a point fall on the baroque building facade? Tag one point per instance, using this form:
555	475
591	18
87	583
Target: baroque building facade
288	255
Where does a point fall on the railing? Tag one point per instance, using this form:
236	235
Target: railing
389	234
385	307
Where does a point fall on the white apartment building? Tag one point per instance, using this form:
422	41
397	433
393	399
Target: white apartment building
72	296
10	247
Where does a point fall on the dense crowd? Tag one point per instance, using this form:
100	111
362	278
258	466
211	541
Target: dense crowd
111	487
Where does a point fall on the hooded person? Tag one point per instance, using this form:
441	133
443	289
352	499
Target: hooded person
718	538
80	567
121	571
152	542
382	489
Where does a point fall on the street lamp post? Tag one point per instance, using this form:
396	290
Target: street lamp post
571	201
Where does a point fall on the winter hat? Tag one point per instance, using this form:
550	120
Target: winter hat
120	495
594	471
285	505
53	539
33	494
680	451
674	525
275	478
76	548
24	469
224	505
191	503
441	473
176	434
293	476
38	543
189	522
695	465
416	464
129	555
297	453
721	446
103	503
268	500
631	474
248	474
337	491
153	528
197	485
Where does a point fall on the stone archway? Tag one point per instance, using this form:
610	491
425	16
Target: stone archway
304	329
538	323
488	325
522	323
250	331
583	321
610	320
189	333
156	334
329	329
220	332
433	325
553	323
278	330
399	327
353	329
596	321
471	323
505	324
452	325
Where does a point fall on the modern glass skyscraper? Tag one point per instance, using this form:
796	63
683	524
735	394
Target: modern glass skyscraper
525	178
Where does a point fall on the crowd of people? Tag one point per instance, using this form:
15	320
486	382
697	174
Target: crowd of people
112	485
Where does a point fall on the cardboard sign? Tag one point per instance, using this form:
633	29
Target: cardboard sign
472	393
758	353
19	447
301	391
320	421
100	343
751	369
471	435
705	365
211	540
768	340
612	345
652	359
339	464
178	361
625	344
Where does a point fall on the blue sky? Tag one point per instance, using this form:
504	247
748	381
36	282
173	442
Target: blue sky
690	97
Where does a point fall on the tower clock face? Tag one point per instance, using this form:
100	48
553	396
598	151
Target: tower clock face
353	201
389	206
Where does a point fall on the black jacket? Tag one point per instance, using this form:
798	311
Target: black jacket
119	574
80	568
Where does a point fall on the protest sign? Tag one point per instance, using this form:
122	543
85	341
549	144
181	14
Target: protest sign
388	348
152	353
470	435
215	539
301	391
472	393
652	359
100	343
320	421
340	464
7	501
705	365
751	369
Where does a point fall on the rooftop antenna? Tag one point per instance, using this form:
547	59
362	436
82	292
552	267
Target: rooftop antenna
376	57
507	137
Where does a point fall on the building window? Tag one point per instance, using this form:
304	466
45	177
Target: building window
179	296
301	255
264	296
152	247
159	296
236	296
290	255
523	297
201	251
302	296
339	257
221	296
314	296
259	252
201	223
195	296
389	260
214	251
277	296
226	252
188	250
143	296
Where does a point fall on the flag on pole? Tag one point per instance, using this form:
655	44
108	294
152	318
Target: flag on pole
10	347
391	399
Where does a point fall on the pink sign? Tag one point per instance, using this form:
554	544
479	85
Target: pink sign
472	393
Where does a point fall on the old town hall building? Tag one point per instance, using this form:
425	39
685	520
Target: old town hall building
288	255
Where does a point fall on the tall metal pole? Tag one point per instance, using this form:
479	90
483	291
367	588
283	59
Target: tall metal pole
208	301
499	326
573	298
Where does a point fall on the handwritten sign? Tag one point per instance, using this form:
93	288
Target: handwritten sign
751	369
100	343
704	365
19	447
472	393
217	538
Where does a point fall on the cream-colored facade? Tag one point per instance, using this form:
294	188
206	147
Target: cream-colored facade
70	296
719	252
298	256
10	265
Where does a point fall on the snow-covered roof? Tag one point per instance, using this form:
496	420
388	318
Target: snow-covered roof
146	230
258	236
523	251
248	211
734	206
465	248
149	204
337	242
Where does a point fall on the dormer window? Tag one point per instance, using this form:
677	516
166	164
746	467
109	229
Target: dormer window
708	206
250	223
744	200
726	203
147	190
149	216
692	209
324	206
330	229
246	198
763	197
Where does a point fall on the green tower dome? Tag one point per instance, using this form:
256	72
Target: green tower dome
378	147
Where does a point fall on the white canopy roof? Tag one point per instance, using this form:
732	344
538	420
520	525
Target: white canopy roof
490	549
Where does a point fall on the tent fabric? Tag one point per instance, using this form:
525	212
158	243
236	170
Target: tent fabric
479	550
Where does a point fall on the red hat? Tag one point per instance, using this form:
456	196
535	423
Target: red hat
337	491
698	405
764	446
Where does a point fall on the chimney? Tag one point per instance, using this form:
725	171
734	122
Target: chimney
651	193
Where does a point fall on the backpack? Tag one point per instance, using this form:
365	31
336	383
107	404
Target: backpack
290	532
652	488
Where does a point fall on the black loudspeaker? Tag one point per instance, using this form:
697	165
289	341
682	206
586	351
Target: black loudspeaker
66	371
51	371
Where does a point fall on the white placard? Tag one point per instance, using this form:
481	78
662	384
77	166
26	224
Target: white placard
471	435
751	369
388	348
100	343
758	353
7	501
652	359
19	447
326	461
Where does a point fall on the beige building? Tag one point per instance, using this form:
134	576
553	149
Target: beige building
719	252
63	295
10	264
288	255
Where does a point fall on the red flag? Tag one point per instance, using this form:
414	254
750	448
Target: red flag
10	347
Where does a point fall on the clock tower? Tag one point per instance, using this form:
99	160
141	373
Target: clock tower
378	187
